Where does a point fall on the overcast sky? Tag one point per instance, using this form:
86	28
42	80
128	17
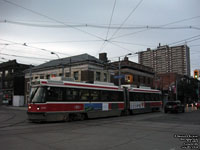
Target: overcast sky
35	28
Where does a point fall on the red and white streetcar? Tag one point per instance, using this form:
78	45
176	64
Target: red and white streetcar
64	100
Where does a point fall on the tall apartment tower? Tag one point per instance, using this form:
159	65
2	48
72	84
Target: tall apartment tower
167	59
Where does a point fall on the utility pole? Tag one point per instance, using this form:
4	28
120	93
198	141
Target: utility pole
30	80
119	80
119	71
70	69
176	89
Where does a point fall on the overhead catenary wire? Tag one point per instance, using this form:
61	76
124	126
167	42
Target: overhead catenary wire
122	24
53	19
184	40
77	41
104	42
129	27
164	25
130	14
111	19
25	44
28	57
128	43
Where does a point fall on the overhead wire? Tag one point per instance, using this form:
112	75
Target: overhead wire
38	58
132	43
53	19
111	19
122	24
25	44
121	47
102	26
130	14
184	40
77	41
144	30
104	42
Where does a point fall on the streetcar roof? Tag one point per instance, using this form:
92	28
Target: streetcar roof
44	82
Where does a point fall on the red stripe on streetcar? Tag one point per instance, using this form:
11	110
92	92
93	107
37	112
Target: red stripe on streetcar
55	107
121	105
91	86
43	82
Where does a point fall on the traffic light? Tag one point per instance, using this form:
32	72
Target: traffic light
129	79
196	74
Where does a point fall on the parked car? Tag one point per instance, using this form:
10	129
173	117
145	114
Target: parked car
174	106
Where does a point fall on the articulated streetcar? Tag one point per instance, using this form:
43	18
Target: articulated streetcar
63	100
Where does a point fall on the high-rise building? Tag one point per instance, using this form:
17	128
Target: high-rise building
167	59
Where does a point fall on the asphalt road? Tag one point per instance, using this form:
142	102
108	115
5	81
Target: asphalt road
151	131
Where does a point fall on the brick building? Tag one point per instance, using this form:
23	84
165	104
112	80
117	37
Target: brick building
142	75
11	81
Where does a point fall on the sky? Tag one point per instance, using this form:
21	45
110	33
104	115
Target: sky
31	29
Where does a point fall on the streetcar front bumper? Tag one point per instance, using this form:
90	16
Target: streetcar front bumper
36	116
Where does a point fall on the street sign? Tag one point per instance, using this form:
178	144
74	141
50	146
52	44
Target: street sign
119	77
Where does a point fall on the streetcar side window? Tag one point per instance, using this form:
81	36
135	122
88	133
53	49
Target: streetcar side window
94	95
142	96
135	97
148	97
84	95
54	94
120	96
132	96
105	96
71	94
113	96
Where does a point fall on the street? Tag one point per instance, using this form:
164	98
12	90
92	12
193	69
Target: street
150	131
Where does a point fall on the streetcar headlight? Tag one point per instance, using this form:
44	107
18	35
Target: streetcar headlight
38	108
29	107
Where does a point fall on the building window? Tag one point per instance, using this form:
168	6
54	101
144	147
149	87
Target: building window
67	74
76	75
42	77
47	76
105	77
6	72
98	76
149	80
5	84
60	74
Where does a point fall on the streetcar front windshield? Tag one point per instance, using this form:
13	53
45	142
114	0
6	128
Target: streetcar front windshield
38	95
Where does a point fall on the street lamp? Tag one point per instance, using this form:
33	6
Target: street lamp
119	80
53	53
